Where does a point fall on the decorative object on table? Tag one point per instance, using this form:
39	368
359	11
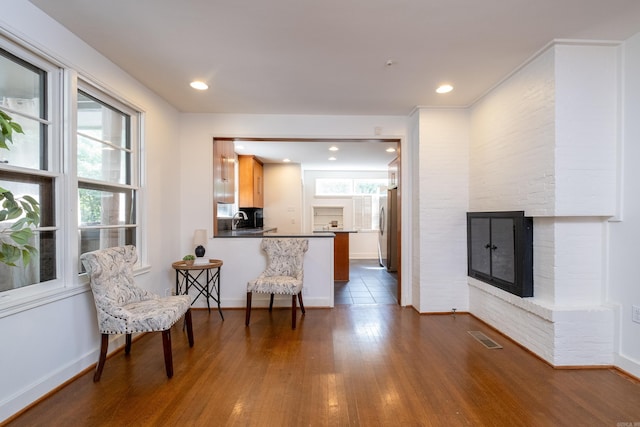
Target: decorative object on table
283	275
200	241
189	259
124	308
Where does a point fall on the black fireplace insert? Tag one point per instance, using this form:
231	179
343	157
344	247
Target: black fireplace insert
500	250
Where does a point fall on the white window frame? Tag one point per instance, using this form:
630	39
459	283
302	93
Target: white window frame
135	116
62	86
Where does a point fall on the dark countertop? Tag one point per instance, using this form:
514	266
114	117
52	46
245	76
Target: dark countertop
268	232
335	231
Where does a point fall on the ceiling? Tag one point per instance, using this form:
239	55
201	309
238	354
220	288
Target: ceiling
352	155
331	56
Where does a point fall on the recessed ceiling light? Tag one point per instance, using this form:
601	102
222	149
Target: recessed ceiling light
333	148
444	88
390	150
199	85
286	160
332	158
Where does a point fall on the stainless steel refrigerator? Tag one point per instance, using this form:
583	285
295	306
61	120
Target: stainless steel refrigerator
388	237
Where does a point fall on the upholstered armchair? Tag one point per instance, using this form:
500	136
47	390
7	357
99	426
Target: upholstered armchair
283	275
124	308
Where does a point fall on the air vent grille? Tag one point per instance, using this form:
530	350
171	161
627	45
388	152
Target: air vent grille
485	340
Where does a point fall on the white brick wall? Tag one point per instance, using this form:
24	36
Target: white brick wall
586	122
544	141
562	337
512	153
443	199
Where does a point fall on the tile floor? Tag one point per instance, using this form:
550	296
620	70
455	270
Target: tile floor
368	284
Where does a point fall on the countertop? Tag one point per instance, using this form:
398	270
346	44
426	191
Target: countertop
268	232
335	231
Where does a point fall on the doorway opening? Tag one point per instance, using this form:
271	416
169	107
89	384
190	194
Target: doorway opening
315	155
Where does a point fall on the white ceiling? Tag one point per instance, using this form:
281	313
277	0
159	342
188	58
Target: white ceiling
364	155
330	56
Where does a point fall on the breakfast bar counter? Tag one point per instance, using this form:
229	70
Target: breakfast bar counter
244	261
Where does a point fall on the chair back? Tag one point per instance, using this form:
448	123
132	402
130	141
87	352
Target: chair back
111	278
285	256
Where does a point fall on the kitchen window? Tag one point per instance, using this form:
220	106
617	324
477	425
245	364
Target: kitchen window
365	195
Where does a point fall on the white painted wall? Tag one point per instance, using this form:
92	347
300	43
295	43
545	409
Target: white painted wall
443	202
46	345
544	141
198	130
624	287
283	197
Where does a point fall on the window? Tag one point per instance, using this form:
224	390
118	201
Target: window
93	167
107	178
365	194
29	166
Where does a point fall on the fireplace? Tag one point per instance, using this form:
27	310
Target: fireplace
500	250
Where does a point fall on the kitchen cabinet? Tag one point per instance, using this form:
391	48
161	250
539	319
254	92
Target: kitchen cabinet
224	159
251	182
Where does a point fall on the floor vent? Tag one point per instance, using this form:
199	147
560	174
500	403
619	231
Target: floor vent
485	340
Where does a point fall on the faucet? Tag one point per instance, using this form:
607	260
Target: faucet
234	221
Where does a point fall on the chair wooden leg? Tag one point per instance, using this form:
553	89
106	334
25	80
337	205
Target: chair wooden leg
248	313
187	320
104	343
293	311
168	358
271	303
127	345
301	303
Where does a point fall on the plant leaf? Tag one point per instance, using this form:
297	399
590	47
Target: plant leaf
31	200
21	237
16	127
26	257
10	254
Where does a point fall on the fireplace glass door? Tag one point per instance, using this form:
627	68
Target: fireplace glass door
500	250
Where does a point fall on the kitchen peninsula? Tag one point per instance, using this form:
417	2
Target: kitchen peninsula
244	261
340	253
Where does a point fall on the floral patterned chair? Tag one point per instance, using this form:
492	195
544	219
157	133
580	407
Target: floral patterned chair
124	308
283	275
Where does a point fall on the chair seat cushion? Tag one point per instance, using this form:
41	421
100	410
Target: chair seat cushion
275	285
156	314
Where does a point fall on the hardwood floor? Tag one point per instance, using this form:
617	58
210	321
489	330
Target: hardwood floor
355	365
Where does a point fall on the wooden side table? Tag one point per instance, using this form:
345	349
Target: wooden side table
204	277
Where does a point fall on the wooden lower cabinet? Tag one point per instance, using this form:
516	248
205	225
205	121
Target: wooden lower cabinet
341	257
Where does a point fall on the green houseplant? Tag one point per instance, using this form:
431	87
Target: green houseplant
189	259
23	213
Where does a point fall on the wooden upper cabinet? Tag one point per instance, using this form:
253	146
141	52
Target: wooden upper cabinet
251	182
224	160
